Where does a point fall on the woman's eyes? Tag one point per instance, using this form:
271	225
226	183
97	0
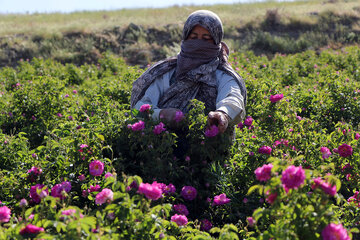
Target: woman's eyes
203	37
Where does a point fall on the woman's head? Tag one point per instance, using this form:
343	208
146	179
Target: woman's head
202	23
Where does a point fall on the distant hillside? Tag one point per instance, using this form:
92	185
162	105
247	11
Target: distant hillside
147	35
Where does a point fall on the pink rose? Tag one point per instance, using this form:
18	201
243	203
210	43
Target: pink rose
34	172
275	98
326	187
144	108
138	126
212	131
345	150
248	121
240	125
81	177
355	198
334	231
159	128
181	209
271	197
357	136
293	177
151	191
264	173
96	168
60	189
5	214
205	225
83	146
251	221
23	203
108	174
326	152
220	200
95	188
180	220
106	195
31	230
70	212
265	150
168	189
188	193
35	196
179	116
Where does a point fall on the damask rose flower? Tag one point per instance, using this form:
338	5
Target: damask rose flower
220	200
69	212
180	220
151	191
181	209
248	121
293	177
326	187
144	107
355	198
83	146
326	152
23	203
34	172
96	168
168	189
212	131
81	177
108	174
270	197
95	188
179	116
251	221
275	98
159	128
265	150
357	136
263	173
31	230
5	214
35	196
60	190
205	225
345	150
334	232
188	193
138	126
106	195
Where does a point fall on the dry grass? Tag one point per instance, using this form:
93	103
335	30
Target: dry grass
232	15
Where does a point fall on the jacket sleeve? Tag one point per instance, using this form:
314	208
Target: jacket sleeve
229	98
153	93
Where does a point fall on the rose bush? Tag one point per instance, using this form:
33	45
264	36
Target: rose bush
72	152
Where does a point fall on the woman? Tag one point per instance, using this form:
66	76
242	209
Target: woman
201	70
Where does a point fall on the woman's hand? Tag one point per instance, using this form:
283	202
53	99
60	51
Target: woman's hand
220	119
168	116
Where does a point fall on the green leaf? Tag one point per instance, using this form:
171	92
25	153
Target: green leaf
259	188
101	137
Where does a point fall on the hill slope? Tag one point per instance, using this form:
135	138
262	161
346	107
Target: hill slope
145	35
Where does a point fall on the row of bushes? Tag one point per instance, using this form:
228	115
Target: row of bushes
77	162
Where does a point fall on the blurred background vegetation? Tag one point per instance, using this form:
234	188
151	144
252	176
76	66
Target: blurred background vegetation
142	36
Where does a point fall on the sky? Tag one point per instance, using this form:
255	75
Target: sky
67	6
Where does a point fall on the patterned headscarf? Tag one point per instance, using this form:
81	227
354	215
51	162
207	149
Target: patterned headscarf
195	67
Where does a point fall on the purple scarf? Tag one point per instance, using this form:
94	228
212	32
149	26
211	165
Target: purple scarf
195	53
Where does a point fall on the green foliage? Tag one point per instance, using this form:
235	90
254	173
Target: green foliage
60	118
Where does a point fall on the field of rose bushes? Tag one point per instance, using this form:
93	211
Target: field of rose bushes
77	163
